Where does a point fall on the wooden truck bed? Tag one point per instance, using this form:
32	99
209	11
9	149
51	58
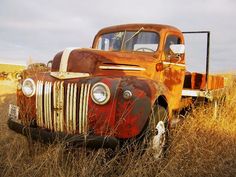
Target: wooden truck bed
198	81
197	85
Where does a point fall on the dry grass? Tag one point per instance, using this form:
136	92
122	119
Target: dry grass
9	72
201	146
11	68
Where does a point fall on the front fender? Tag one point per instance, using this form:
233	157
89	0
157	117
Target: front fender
132	115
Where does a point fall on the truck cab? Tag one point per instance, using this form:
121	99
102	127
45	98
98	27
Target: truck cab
129	81
149	47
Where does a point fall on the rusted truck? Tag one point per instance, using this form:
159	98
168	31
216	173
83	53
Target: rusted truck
132	80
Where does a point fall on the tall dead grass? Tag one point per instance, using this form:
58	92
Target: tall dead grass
201	146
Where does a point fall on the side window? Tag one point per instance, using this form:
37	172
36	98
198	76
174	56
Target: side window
171	40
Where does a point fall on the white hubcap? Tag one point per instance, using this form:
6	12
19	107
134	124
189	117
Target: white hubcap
159	139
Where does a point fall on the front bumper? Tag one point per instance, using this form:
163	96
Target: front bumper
46	136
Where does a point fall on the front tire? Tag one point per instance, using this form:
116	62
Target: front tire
158	127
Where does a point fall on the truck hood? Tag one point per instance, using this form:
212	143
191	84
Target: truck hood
96	62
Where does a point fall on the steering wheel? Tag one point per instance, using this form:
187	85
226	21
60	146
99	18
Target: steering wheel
144	48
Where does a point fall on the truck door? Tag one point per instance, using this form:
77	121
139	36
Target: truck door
174	69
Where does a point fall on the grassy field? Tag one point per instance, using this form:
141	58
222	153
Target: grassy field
9	72
10	68
201	146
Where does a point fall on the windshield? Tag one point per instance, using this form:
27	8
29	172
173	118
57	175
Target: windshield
142	41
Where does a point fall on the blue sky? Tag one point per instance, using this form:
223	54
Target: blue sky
39	29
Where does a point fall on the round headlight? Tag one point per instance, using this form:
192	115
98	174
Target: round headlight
28	87
100	93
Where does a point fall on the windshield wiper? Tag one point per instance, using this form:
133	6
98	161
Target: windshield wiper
135	34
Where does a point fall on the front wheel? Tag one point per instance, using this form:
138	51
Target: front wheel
158	127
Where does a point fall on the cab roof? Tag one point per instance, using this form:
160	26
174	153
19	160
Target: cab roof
131	27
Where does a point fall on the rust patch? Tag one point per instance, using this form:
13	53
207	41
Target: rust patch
27	107
84	61
172	78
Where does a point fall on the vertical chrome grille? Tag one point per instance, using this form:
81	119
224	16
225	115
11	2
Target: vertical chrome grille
71	108
83	107
58	106
39	100
61	107
48	105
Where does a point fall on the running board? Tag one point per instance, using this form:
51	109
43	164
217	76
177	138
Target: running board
210	94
